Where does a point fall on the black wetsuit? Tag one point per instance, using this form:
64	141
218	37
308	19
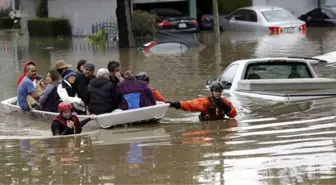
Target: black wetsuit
58	125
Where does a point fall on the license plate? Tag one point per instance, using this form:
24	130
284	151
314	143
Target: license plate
289	30
182	25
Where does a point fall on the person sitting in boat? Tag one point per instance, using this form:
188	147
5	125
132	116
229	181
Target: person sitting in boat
66	123
39	86
134	93
20	78
61	66
68	92
213	107
49	99
82	80
26	88
145	77
115	75
80	66
101	94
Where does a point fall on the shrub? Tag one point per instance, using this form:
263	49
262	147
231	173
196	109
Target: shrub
49	27
144	23
99	37
6	23
4	12
227	7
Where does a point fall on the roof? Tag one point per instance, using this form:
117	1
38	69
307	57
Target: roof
245	61
262	8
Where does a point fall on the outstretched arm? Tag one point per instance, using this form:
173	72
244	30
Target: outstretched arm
83	122
196	105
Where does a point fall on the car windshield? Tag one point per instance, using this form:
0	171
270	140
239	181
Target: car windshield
277	15
333	12
279	70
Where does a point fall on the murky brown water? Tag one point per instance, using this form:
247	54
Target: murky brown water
294	145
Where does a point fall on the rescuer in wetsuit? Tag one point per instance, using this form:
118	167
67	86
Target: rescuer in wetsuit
213	107
66	123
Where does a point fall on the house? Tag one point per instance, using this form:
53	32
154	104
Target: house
83	13
297	7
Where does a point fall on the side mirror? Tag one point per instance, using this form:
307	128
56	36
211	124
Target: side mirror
209	81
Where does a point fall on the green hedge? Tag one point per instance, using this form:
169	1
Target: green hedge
6	23
49	27
226	6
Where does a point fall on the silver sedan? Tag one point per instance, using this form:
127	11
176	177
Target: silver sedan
262	18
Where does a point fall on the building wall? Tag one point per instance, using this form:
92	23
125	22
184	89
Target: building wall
82	13
28	12
297	7
330	2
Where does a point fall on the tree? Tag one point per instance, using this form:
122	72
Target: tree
124	20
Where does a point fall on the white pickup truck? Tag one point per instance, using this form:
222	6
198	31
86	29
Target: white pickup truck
279	79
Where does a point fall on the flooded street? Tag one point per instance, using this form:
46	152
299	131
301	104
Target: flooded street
268	143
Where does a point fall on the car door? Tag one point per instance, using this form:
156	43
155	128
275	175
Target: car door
242	20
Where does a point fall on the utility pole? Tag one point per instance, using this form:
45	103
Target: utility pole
217	31
124	19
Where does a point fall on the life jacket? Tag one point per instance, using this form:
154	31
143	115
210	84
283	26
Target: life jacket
213	112
64	122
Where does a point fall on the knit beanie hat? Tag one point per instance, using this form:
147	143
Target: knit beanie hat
67	73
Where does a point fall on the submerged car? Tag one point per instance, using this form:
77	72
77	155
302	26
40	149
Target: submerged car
206	22
320	17
174	21
170	45
278	79
262	18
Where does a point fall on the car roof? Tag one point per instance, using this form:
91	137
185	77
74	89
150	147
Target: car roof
262	8
246	61
330	6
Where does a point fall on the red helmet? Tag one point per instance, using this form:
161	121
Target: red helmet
64	106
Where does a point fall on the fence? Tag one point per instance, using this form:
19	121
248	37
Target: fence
109	28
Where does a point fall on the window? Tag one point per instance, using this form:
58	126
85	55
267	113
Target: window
278	15
330	13
244	15
281	70
228	76
316	14
169	48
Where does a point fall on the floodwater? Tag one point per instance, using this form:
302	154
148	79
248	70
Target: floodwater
268	143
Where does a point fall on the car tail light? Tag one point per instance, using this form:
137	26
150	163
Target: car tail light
205	19
275	29
303	27
148	46
165	24
196	23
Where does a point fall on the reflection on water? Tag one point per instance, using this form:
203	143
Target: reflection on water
270	143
